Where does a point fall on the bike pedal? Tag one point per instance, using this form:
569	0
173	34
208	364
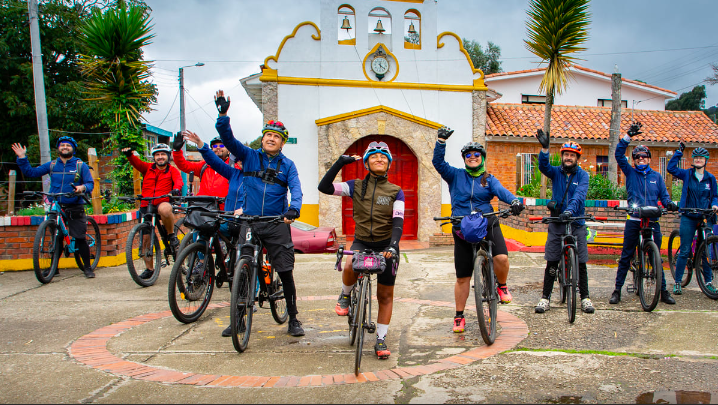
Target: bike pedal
371	328
631	289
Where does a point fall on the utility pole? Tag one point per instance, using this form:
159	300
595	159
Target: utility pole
182	121
38	79
614	132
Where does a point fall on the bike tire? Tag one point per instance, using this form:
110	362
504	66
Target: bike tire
241	304
94	242
486	298
364	296
649	278
710	245
46	249
184	292
278	305
187	240
133	243
674	246
571	275
353	313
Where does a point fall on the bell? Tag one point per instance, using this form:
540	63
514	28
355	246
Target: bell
345	24
412	30
379	28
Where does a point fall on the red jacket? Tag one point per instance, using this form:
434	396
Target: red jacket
211	183
156	182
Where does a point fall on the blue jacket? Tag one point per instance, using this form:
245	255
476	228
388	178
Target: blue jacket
467	193
62	177
577	190
261	198
696	194
643	189
235	193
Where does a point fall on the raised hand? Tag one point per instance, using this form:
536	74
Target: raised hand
444	133
681	146
634	129
346	159
127	151
19	150
178	142
543	138
194	138
221	103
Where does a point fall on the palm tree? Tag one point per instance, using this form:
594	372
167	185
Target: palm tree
556	30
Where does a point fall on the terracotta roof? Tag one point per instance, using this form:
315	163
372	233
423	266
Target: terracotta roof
522	120
585	69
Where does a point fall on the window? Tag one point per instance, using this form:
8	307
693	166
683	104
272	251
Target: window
528	161
379	27
412	30
347	21
607	102
532	99
602	165
662	166
150	141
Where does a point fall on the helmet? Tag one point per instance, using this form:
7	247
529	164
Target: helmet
377	147
67	139
571	146
700	152
214	140
639	150
161	147
473	146
276	126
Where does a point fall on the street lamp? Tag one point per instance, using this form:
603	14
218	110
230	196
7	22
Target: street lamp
182	123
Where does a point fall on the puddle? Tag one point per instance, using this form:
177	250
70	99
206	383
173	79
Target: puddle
566	399
677	397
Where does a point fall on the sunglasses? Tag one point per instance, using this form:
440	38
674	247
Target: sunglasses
378	145
642	156
217	145
475	154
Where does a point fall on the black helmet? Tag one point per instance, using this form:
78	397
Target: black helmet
214	140
475	146
640	149
700	152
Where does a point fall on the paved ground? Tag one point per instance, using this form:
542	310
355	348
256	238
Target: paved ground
52	351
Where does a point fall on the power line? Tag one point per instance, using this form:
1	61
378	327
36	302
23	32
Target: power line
170	109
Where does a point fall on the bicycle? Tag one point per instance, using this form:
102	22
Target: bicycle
360	304
701	244
52	239
246	275
568	265
136	243
485	283
646	264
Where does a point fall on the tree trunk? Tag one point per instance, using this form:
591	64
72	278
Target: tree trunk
614	132
547	130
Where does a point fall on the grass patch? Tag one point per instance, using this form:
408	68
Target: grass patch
406	258
601	352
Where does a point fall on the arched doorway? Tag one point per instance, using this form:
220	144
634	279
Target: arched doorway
404	172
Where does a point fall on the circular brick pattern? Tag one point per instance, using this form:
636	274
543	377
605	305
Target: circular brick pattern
91	350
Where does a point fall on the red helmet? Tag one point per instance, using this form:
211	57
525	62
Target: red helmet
571	146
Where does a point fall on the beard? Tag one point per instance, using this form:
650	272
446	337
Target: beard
66	155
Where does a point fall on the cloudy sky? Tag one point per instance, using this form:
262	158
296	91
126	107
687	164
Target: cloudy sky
663	42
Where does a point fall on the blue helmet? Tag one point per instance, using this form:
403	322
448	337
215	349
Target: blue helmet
700	152
377	147
67	139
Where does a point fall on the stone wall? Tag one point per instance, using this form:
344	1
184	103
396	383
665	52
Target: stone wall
270	102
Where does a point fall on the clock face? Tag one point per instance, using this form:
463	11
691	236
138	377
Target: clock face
380	65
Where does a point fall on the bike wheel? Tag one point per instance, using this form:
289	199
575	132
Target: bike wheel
649	278
353	317
46	251
191	283
93	242
277	302
486	298
135	251
240	312
674	246
187	240
706	266
570	275
364	298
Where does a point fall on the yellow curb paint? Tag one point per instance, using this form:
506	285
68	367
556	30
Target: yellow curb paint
524	237
65	262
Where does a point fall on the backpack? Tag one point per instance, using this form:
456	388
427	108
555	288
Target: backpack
77	169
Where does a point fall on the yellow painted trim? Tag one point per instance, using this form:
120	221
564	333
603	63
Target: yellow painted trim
374	49
310	214
446	212
409	45
273	72
477	82
525	237
352	41
65	263
371	110
313	81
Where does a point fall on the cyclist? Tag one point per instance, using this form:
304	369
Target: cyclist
699	191
67	174
569	189
268	176
472	189
159	178
645	188
379	218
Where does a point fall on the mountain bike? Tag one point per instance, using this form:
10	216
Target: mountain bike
52	239
244	282
485	284
568	264
704	242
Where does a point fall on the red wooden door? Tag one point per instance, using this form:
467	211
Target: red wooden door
404	172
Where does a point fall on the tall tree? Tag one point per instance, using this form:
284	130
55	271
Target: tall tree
556	30
694	100
486	60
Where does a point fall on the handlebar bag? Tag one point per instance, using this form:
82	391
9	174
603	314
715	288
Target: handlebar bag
374	263
649	212
198	222
473	228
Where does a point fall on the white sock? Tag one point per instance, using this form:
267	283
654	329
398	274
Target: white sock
381	330
347	289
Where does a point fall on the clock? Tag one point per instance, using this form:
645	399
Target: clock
380	65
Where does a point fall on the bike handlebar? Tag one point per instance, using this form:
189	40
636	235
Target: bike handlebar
53	195
549	220
706	212
502	213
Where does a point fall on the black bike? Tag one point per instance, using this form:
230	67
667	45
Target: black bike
249	271
705	245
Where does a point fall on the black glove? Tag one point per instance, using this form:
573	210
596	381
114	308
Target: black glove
222	104
565	216
178	142
516	207
176	192
346	159
635	129
445	133
291	215
129	152
543	138
681	147
672	207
